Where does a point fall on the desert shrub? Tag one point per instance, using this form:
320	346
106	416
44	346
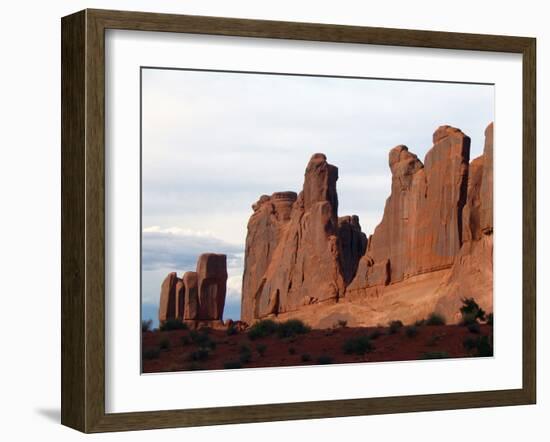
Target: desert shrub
306	357
151	353
435	355
261	348
324	360
232	330
411	331
420	322
394	327
471	311
202	339
261	329
489	319
479	346
474	328
469	343
435	319
173	324
291	328
231	365
291	350
341	323
164	344
358	345
146	325
484	346
199	355
185	340
375	334
245	354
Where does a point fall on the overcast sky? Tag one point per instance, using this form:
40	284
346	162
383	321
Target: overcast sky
213	142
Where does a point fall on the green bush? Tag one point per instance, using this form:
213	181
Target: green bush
291	328
480	346
420	322
262	329
342	323
435	355
435	319
411	331
324	360
146	325
231	365
469	343
232	330
202	339
490	319
358	345
151	353
164	344
474	328
173	324
394	327
306	357
471	312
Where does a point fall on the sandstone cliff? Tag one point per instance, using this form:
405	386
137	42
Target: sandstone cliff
432	246
294	254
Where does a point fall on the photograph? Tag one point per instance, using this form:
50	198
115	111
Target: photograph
302	220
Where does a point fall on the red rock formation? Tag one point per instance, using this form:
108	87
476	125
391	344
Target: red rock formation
432	247
167	307
353	243
199	296
293	254
421	229
191	284
265	229
212	281
486	190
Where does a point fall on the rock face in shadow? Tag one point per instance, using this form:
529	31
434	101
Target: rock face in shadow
167	305
432	247
197	297
212	282
353	243
294	254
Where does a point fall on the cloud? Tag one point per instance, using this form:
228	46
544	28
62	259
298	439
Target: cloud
213	142
176	249
179	248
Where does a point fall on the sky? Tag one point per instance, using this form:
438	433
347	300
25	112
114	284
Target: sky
213	142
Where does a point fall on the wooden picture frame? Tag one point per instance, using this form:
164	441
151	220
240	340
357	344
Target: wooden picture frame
83	220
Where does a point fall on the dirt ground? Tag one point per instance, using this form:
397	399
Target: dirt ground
208	349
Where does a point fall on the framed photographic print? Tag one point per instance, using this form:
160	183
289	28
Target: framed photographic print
271	220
